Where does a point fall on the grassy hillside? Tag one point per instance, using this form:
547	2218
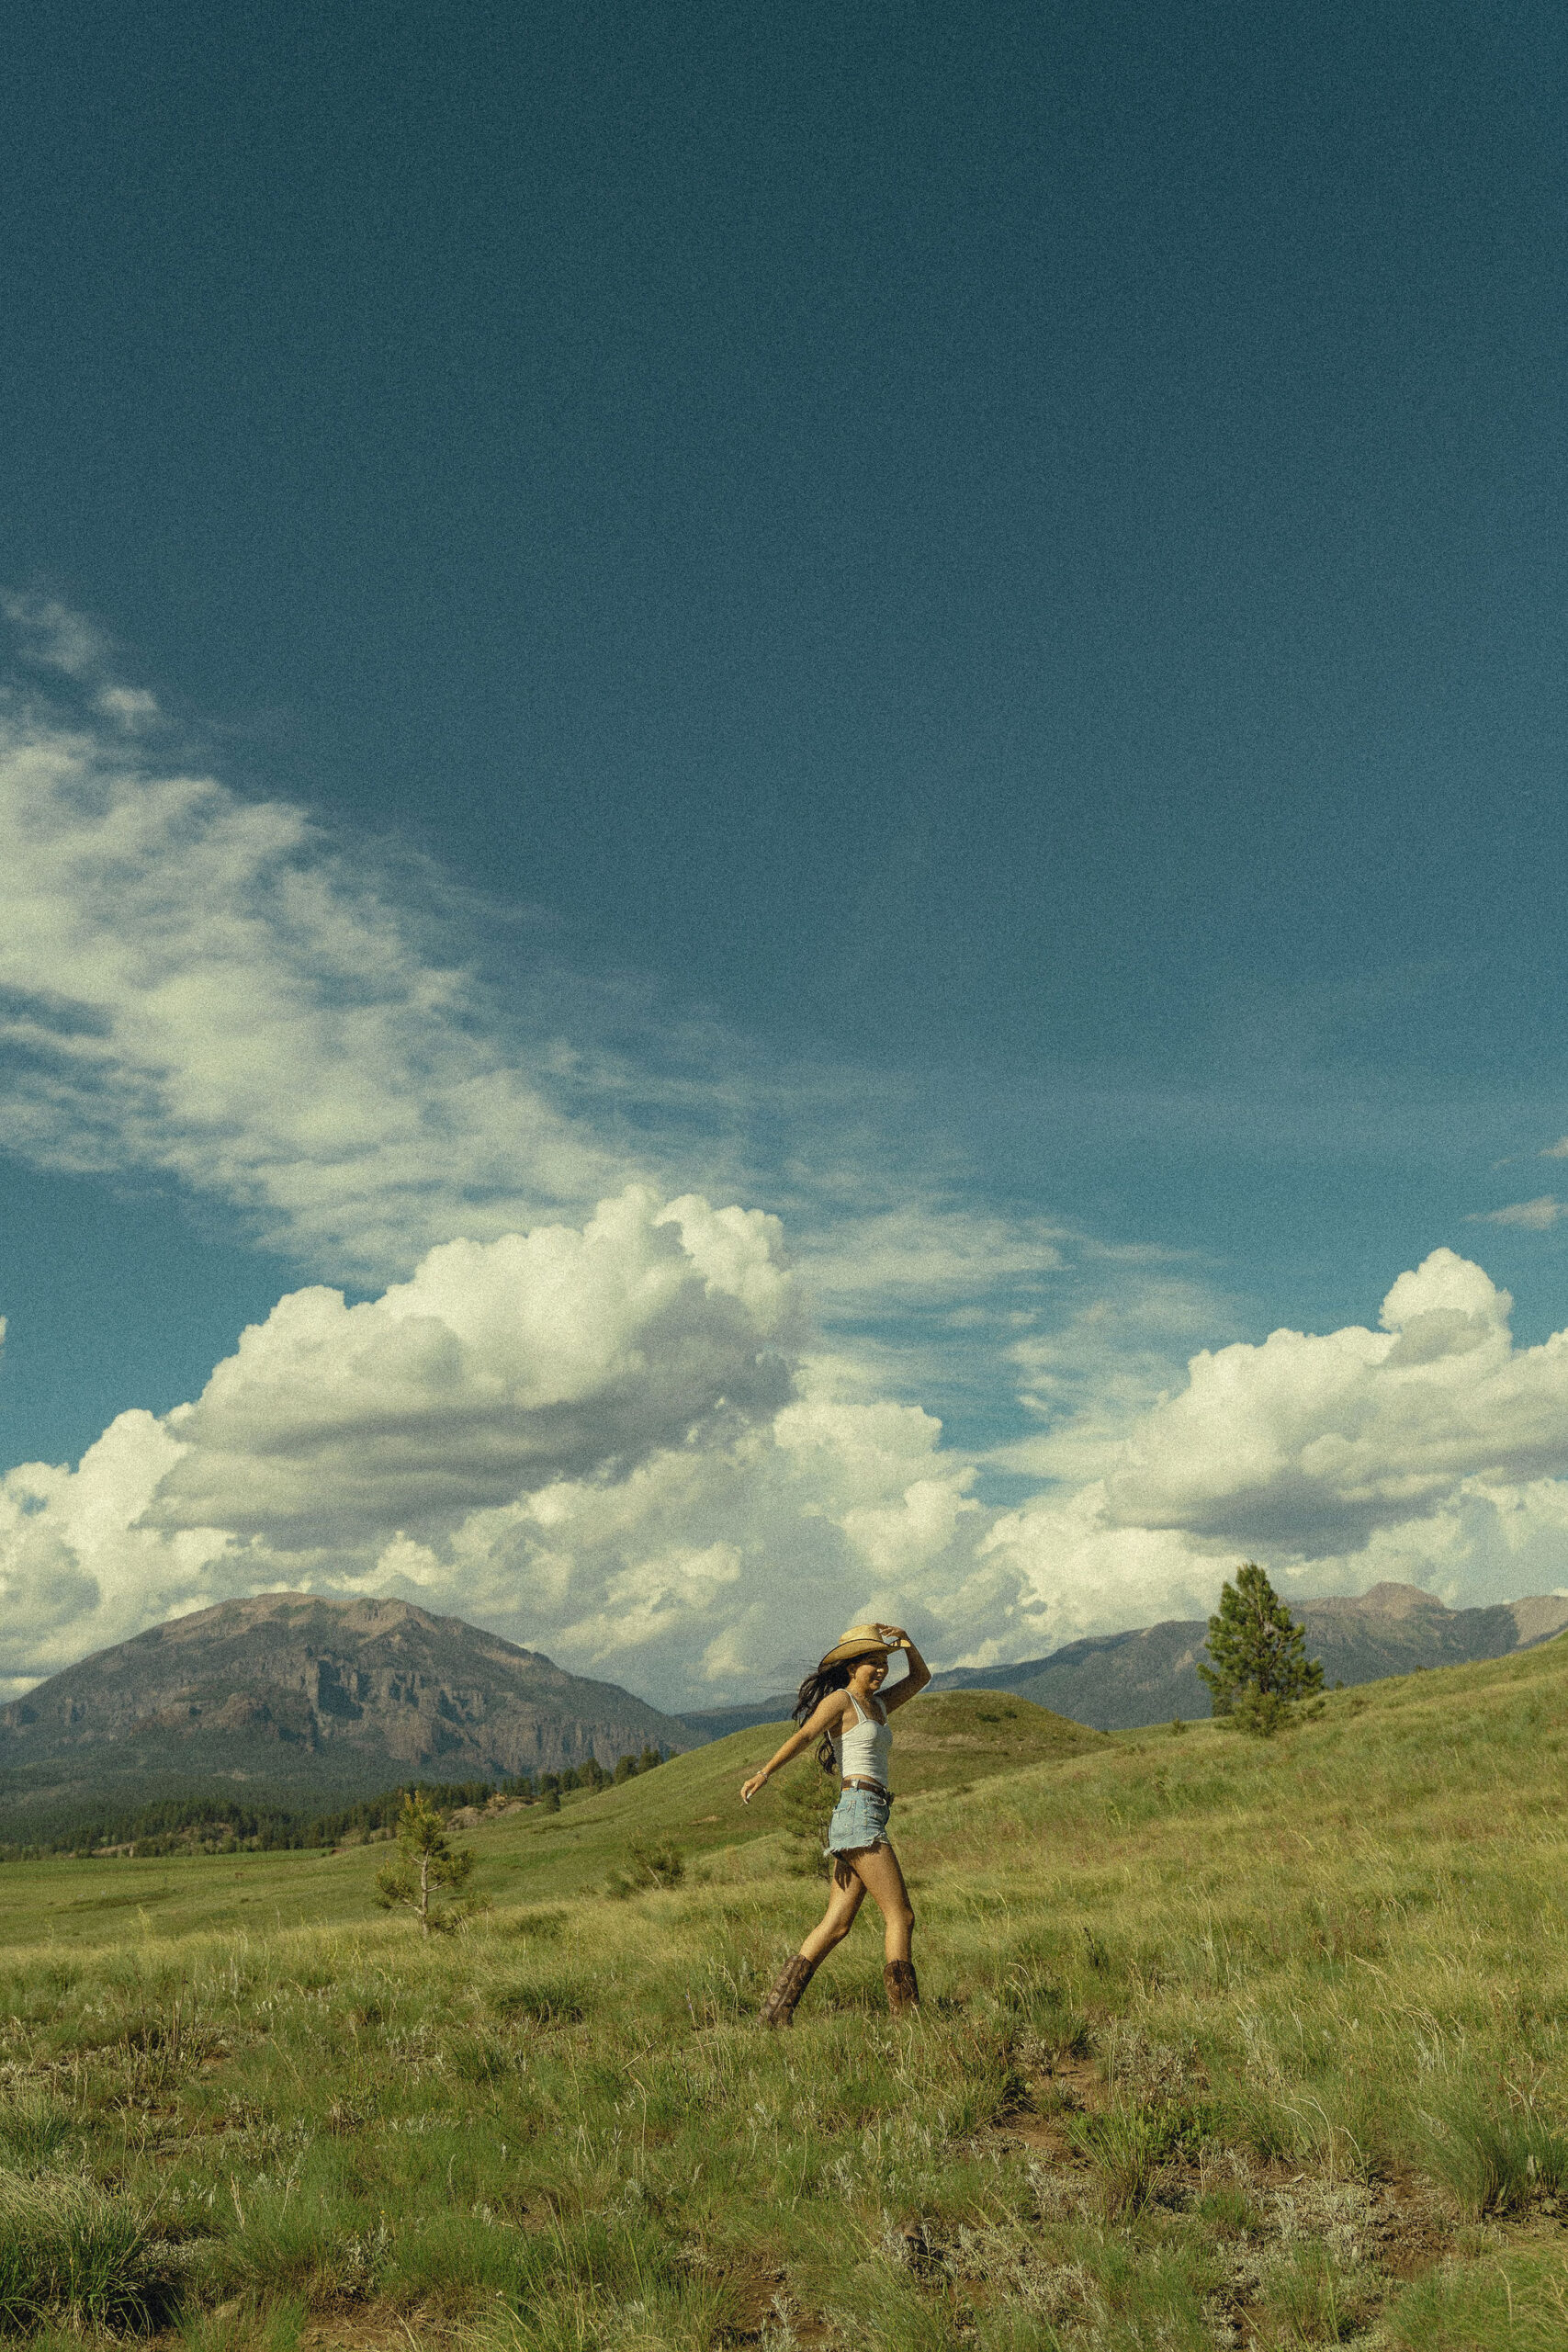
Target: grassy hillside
951	1737
1222	2045
531	1855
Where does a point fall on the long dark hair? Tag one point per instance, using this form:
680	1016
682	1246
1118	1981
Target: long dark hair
818	1684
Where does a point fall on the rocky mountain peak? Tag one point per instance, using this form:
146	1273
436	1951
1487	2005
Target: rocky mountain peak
353	1693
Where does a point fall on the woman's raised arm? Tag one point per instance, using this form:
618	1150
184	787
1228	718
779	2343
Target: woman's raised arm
919	1673
821	1719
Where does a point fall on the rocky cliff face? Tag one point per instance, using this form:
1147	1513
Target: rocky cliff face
1119	1680
341	1693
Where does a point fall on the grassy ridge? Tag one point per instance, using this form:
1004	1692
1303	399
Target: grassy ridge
1221	2044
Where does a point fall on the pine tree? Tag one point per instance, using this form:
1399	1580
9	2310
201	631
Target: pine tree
425	1862
1260	1666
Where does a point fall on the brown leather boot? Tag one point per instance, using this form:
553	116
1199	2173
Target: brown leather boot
903	1986
778	2006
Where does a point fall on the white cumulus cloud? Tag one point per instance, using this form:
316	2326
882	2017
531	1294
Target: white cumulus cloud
1430	1450
1318	1442
615	1443
600	1439
501	1366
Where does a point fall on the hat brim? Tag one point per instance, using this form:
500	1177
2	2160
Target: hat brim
842	1652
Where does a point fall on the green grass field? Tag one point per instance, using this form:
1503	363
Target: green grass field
1222	2045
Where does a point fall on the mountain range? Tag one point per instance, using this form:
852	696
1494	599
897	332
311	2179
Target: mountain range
1118	1681
299	1694
297	1698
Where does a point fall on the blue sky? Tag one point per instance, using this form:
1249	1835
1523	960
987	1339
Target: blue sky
947	629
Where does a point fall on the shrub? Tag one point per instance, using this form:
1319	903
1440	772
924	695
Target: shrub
1307	2300
1127	2143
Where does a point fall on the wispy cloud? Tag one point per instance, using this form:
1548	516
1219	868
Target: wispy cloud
56	637
52	637
1087	1379
324	1034
938	1251
1535	1217
220	991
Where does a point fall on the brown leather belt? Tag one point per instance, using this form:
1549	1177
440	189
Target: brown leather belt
874	1786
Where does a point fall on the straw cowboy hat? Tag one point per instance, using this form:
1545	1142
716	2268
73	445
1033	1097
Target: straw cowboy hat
860	1641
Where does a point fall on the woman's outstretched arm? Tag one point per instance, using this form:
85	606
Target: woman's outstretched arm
919	1673
822	1719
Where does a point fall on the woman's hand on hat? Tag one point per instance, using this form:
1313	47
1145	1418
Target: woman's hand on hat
896	1635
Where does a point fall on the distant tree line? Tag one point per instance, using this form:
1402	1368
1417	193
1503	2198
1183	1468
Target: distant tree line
202	1823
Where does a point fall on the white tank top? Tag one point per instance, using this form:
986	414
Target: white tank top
862	1752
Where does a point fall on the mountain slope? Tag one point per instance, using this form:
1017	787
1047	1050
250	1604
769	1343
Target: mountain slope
717	1723
303	1693
1120	1681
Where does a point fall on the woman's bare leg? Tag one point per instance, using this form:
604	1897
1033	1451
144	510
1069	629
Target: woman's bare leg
836	1920
878	1869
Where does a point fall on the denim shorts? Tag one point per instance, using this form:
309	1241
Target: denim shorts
860	1818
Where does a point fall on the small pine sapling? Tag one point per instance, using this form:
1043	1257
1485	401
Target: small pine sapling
809	1797
1260	1666
426	1863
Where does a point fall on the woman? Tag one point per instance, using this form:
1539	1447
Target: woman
838	1708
